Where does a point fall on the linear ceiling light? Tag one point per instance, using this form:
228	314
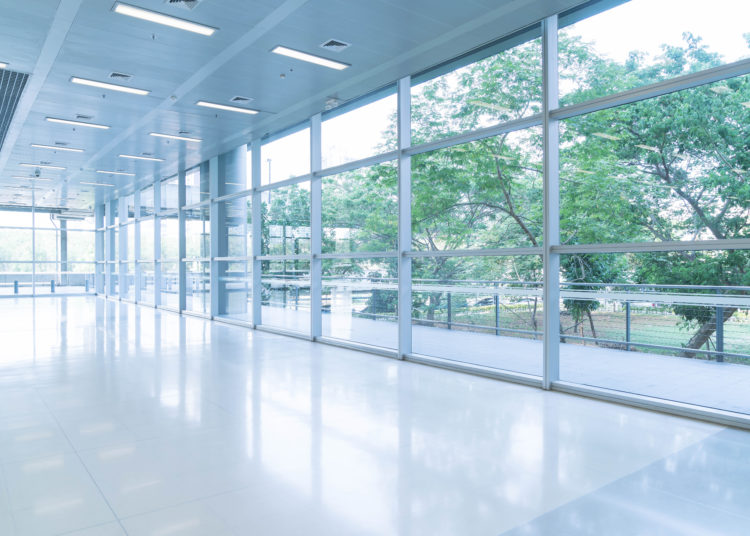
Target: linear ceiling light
3	65
32	178
57	148
304	56
169	136
98	184
135	157
107	85
227	108
76	123
161	18
105	172
42	166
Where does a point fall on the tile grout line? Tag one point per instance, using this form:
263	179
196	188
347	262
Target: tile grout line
83	464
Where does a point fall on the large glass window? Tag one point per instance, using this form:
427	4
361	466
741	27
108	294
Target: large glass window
285	157
484	194
360	210
286	294
676	163
169	237
198	286
286	220
196	186
147	201
366	130
360	299
603	54
498	88
169	193
146	228
197	232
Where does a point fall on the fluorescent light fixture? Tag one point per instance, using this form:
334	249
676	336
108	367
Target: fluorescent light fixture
169	136
227	108
3	65
42	166
606	136
648	148
310	58
105	172
107	85
97	184
32	178
161	18
135	157
57	148
76	123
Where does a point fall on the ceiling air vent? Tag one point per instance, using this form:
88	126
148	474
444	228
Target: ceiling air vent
334	45
62	143
120	76
241	100
11	86
83	117
184	132
185	4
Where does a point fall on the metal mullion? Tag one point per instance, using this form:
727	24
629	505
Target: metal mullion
497	252
637	247
233	196
316	230
217	230
488	132
201	204
257	233
361	255
357	164
688	81
157	244
181	268
282	184
300	257
551	259
404	218
233	259
137	245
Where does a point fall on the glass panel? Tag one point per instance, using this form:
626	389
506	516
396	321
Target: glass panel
286	220
360	301
116	241
169	193
484	194
80	245
286	295
500	88
602	55
15	244
669	168
344	139
235	287
646	323
169	287
146	282
170	247
198	286
127	280
196	186
130	253
146	240
76	278
286	157
197	233
482	310
237	215
360	210
16	218
15	278
147	201
47	245
130	205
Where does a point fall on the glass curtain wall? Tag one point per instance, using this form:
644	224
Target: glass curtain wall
591	233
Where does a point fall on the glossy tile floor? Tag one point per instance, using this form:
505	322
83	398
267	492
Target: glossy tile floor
118	419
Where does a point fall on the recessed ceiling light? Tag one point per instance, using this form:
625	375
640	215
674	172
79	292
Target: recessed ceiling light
105	172
169	136
43	166
76	123
134	157
32	178
227	108
98	184
310	58
56	148
161	18
3	65
107	85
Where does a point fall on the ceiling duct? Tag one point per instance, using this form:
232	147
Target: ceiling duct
185	4
11	87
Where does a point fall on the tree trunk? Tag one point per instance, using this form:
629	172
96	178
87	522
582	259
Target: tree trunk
705	331
591	323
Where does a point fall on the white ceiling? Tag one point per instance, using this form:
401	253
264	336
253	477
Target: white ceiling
55	39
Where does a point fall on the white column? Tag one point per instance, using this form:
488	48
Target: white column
99	253
257	227
215	175
404	218
181	269
137	245
122	267
316	230
551	204
157	244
